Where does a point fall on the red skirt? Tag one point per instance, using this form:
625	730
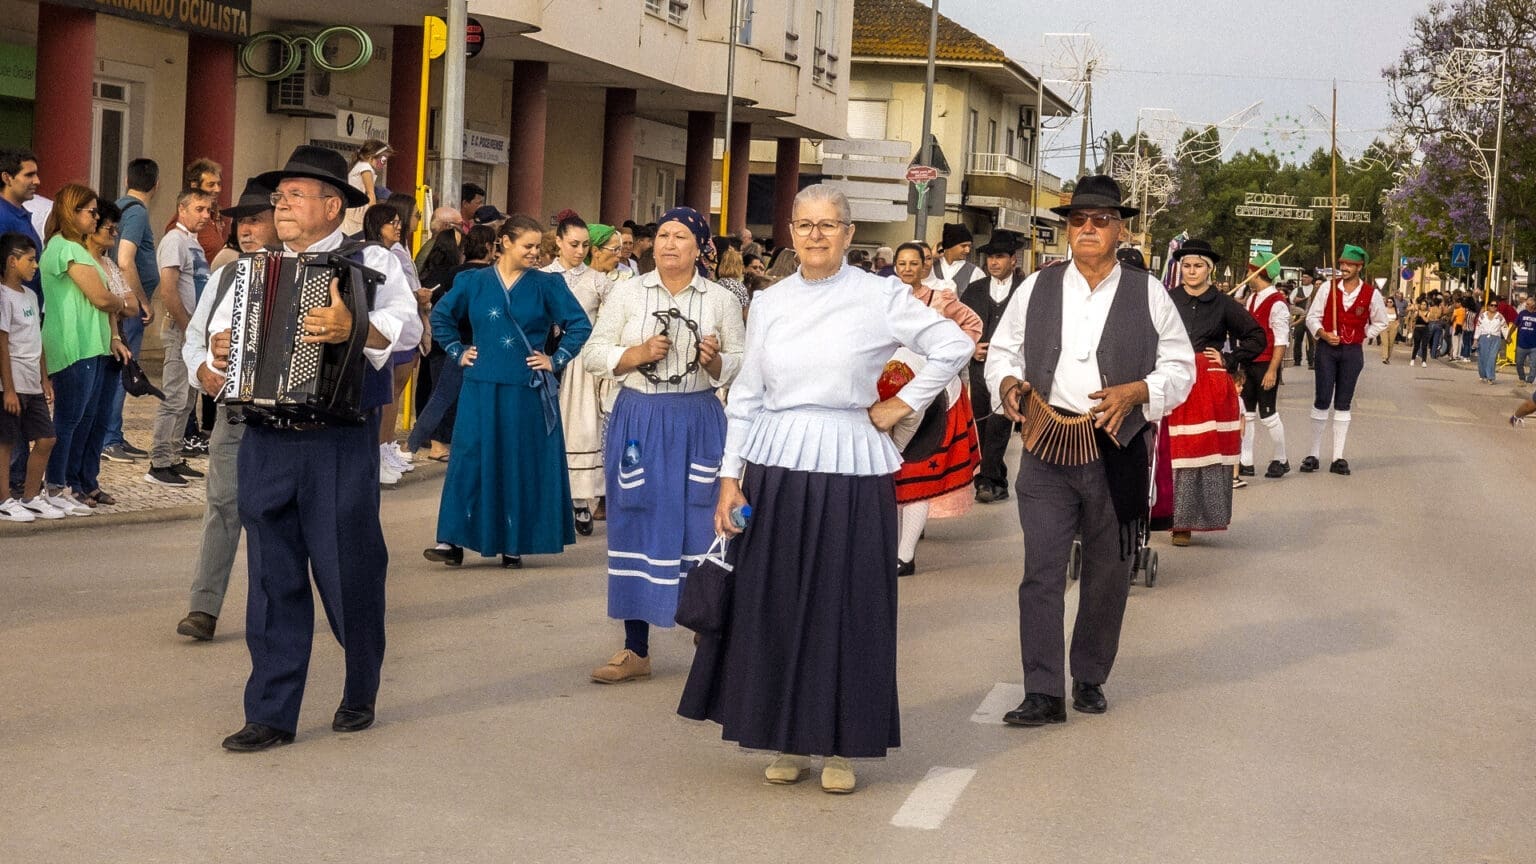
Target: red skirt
952	467
1207	429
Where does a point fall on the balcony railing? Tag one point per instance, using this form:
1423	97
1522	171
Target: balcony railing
1000	165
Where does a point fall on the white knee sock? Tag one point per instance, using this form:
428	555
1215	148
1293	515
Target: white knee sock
1319	423
914	518
1249	418
1340	432
1276	435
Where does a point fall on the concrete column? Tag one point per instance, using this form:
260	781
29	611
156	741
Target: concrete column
741	171
786	184
618	155
530	111
700	169
209	131
404	109
66	60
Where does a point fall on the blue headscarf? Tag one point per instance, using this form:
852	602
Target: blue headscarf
696	225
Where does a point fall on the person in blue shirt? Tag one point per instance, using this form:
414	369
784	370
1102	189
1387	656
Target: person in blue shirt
136	258
1525	341
18	184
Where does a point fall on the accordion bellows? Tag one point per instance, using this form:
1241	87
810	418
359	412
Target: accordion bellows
274	375
1057	438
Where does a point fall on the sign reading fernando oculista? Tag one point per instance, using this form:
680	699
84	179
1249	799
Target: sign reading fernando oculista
226	19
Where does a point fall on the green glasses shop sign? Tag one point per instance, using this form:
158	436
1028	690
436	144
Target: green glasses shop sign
225	19
18	72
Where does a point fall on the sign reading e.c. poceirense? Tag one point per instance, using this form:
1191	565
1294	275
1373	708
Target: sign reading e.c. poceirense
223	19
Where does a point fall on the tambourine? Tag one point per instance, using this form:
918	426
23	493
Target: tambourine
649	369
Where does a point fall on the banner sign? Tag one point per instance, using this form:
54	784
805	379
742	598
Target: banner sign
224	19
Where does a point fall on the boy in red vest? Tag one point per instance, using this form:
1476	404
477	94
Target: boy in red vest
1261	376
1344	314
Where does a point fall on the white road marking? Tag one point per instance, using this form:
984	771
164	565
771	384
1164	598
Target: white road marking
929	804
1004	698
1451	412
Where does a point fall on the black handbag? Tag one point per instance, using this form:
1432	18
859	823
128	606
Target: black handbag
705	599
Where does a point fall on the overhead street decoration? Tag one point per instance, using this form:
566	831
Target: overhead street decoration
1264	199
1300	214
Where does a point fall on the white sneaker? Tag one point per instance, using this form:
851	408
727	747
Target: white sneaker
43	509
396	459
405	456
67	502
388	476
12	511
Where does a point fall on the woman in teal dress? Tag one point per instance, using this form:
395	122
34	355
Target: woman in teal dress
508	491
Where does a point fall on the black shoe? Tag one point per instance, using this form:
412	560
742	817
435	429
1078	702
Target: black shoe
999	493
1245	470
198	625
1277	469
583	521
985	494
1088	698
352	719
256	737
1038	709
1339	466
452	555
905	568
135	452
165	477
1310	464
512	562
187	471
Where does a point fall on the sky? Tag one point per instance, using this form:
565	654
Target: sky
1207	61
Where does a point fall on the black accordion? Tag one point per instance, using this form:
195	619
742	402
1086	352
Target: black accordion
274	376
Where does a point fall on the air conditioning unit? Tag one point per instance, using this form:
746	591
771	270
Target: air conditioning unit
302	94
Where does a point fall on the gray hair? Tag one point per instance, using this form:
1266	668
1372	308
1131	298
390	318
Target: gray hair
821	192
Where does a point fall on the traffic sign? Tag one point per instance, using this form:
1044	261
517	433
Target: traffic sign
1408	273
1461	255
922	174
474	37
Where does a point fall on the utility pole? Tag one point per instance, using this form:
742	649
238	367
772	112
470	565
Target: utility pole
454	61
1082	146
925	149
730	118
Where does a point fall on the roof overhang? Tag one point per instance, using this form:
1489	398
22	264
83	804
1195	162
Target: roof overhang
1010	78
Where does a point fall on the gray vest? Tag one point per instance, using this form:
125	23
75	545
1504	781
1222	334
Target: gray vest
1127	350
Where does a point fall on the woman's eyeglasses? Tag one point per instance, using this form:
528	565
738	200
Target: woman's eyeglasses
827	227
95	213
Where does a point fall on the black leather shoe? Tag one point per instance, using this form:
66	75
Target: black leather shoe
1088	698
1277	469
255	737
905	568
583	521
512	562
1038	709
198	625
999	493
1245	470
453	555
1309	464
352	719
1339	466
985	495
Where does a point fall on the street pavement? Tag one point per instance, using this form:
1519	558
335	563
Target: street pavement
1344	676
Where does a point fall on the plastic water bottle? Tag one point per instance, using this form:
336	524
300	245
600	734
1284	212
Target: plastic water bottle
739	516
631	454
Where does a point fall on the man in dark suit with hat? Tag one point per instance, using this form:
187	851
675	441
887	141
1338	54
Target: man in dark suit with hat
988	297
953	259
309	497
1089	353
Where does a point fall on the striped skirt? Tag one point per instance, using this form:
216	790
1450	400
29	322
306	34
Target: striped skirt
1204	439
661	511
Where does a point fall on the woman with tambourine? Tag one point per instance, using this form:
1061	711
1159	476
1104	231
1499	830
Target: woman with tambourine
671	338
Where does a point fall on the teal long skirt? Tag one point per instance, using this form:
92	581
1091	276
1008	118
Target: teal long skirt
508	491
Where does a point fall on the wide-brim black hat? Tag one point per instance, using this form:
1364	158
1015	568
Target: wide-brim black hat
255	199
1002	242
1196	246
1096	192
317	163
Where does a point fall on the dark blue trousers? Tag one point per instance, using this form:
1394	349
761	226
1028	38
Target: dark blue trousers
1338	370
309	502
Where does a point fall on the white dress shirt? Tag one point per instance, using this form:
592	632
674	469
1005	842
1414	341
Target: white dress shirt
627	319
1378	313
999	288
815	352
1279	317
1084	313
394	314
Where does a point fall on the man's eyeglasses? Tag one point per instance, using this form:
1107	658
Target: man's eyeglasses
826	227
1099	220
279	197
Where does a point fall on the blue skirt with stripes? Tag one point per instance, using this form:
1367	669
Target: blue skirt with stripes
661	511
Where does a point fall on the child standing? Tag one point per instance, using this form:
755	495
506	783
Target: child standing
24	381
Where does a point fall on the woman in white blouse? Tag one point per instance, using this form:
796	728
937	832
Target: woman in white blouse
806	664
671	338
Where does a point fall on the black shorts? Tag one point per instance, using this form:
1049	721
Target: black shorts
33	423
1255	397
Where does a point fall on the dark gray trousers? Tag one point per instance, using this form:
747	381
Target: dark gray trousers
1055	505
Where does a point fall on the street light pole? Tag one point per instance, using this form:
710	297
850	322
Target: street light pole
925	149
454	60
1493	191
730	119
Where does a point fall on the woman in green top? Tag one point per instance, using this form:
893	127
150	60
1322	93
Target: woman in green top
78	341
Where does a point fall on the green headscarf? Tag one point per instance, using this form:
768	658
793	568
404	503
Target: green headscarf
599	234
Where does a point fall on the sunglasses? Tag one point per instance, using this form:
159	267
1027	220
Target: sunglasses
1099	220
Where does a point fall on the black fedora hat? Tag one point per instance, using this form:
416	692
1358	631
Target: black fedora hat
1002	242
253	200
317	163
1096	192
1196	246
